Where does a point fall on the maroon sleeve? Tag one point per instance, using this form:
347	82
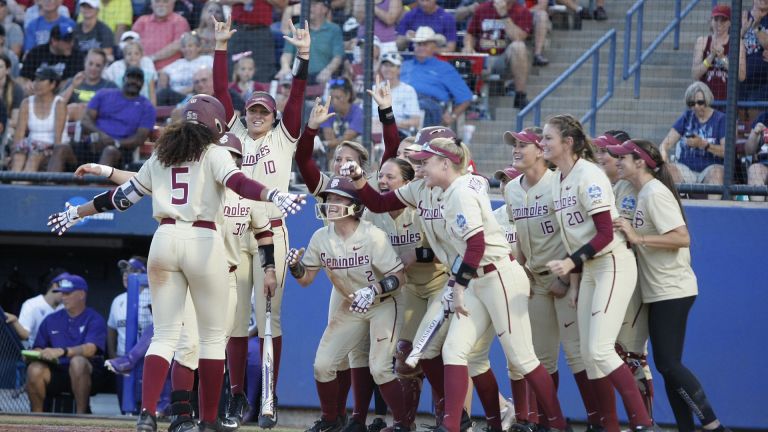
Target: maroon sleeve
264	234
221	83
293	107
378	202
391	141
307	166
475	250
604	227
245	187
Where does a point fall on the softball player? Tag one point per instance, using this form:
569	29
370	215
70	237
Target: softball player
632	342
186	203
268	147
668	285
364	267
584	209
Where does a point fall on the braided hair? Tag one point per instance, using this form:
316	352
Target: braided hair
569	126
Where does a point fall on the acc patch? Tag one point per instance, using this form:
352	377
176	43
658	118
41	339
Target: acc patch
595	192
461	222
628	203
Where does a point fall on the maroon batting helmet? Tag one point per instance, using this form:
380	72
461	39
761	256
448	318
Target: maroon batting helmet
341	186
207	111
427	134
232	143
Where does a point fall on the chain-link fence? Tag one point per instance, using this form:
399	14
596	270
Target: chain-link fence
13	375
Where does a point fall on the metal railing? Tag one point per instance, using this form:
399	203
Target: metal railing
595	104
640	54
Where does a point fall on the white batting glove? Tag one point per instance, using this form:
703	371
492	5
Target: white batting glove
294	256
447	300
287	202
363	298
352	170
60	222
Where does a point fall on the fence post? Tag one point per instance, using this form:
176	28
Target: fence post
729	159
677	25
593	98
627	43
639	49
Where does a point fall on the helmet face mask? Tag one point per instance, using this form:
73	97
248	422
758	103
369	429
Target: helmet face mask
322	211
340	187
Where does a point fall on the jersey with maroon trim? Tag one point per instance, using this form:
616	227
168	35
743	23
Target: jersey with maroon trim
239	223
508	225
428	203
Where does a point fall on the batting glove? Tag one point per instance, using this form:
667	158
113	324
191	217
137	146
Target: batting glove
363	298
352	170
447	300
61	222
294	256
287	202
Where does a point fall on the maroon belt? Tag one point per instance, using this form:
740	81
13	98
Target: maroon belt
197	224
274	223
232	268
490	268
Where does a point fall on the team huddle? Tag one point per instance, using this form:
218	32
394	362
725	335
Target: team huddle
425	274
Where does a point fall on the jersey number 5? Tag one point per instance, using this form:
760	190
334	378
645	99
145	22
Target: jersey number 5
179	184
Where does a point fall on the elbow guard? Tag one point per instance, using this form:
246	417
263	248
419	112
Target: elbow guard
389	284
425	255
267	255
121	198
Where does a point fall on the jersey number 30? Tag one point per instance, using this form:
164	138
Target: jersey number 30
179	184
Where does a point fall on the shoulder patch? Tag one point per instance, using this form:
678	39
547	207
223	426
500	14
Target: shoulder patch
595	192
461	222
629	202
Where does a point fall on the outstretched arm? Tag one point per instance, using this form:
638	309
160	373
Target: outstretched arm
307	166
382	94
253	190
114	175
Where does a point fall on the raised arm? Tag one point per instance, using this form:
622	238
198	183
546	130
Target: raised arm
293	107
307	166
222	34
382	94
374	201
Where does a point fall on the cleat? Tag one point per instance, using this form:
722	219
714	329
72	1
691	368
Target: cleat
147	422
377	425
540	60
523	427
466	422
267	422
507	414
353	426
326	426
236	407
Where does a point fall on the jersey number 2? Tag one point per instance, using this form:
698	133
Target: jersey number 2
178	184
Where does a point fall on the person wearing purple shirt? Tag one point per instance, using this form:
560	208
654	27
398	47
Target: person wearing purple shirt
348	122
429	14
71	342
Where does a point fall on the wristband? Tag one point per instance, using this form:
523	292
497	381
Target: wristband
584	253
66	352
267	255
298	270
386	115
424	255
300	68
463	272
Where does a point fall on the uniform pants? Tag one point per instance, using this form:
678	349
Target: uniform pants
280	239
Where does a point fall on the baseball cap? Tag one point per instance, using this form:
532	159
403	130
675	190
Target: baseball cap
130	34
722	10
429	133
509	172
629	147
47	73
523	136
63	31
263	99
96	4
606	140
134	71
392	57
232	143
132	264
69	283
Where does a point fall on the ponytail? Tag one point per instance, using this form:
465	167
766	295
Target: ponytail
661	172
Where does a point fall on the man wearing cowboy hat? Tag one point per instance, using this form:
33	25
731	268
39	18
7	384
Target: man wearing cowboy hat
435	81
427	14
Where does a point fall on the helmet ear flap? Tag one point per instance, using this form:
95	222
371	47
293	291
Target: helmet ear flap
219	126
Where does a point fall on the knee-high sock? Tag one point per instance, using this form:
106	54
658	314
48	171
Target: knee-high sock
362	392
434	370
329	398
182	377
556	379
237	356
411	393
344	380
606	400
209	388
624	382
588	397
546	395
488	392
520	399
155	373
455	387
392	393
277	349
533	406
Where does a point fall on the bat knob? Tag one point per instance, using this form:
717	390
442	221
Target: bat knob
412	361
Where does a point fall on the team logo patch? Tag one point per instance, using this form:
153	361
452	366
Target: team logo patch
334	183
65	284
628	203
224	139
595	192
191	115
461	222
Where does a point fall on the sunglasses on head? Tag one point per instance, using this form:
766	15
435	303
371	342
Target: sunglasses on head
700	102
337	82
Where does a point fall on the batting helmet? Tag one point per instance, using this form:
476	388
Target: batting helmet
232	143
427	134
340	186
207	111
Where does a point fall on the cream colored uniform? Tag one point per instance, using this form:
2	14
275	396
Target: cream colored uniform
498	297
553	320
182	255
267	160
364	258
633	336
608	279
508	225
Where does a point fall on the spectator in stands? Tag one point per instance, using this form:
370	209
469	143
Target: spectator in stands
696	142
161	33
33	12
326	52
500	28
79	90
175	80
14	35
92	33
242	77
203	84
58	54
11	95
133	56
347	124
206	30
754	33
43	115
710	54
74	338
190	10
118	312
436	82
405	101
35	309
38	32
757	145
117	15
115	123
252	20
579	12
14	69
386	15
541	27
428	14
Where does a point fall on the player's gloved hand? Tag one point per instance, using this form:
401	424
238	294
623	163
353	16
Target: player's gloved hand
363	298
458	300
287	202
447	299
62	221
293	257
351	169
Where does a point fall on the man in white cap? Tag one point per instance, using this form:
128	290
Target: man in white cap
427	14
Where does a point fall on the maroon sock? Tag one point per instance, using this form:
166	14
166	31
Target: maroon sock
488	391
520	399
209	388
455	386
411	388
624	382
546	395
344	379
153	381
556	379
362	392
237	357
533	406
606	403
588	397
328	394
277	350
392	392
435	372
182	377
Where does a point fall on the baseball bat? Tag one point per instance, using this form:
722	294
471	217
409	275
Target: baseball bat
426	337
267	367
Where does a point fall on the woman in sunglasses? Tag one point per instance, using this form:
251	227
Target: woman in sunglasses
696	142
